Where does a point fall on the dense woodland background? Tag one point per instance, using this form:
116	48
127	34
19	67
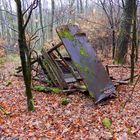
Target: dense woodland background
98	17
113	29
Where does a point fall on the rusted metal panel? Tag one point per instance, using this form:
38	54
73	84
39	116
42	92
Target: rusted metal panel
85	60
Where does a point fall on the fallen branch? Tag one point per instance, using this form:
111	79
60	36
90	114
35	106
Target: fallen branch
33	78
121	81
117	66
129	77
19	69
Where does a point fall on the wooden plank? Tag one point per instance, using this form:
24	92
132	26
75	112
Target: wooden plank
85	59
55	71
55	47
68	66
47	71
69	78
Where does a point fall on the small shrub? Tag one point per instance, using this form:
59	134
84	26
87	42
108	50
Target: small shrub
64	101
39	88
106	123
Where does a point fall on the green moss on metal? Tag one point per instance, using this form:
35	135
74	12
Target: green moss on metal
83	52
66	34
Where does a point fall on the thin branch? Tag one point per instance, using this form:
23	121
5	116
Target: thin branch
35	43
27	10
33	6
55	21
12	29
105	10
33	38
95	22
123	4
3	22
2	10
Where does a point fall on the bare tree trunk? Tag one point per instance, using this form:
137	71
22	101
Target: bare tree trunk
81	6
1	21
125	31
134	41
86	6
137	34
52	18
13	34
41	19
25	56
109	11
113	42
77	6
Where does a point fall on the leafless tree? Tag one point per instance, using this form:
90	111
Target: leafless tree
25	53
125	31
112	11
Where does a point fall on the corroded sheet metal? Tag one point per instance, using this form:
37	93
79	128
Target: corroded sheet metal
85	59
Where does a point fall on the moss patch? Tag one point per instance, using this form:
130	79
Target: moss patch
64	101
83	52
66	34
106	123
45	89
56	90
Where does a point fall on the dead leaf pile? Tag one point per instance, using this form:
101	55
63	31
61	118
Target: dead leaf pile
79	119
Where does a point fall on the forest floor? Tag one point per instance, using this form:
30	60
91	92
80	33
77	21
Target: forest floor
80	119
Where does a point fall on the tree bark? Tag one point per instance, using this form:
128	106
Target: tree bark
52	18
41	20
25	56
109	10
81	6
125	32
134	41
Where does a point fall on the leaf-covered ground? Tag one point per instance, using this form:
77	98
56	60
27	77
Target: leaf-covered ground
80	119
